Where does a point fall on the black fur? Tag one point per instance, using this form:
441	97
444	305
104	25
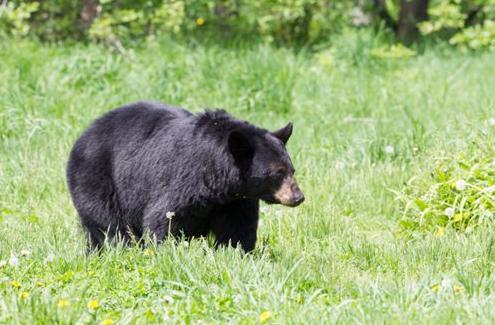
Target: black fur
140	161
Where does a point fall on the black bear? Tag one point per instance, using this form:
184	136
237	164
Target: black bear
149	167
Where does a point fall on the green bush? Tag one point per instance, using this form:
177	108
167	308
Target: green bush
476	37
469	24
128	19
274	20
459	193
109	20
14	20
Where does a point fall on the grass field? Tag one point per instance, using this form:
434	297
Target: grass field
363	127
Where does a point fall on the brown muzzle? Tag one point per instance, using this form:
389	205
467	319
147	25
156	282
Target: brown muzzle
289	193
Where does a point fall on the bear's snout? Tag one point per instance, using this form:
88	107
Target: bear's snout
298	196
289	193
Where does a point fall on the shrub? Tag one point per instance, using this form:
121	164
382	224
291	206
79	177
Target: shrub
273	20
126	19
14	20
469	24
459	192
476	37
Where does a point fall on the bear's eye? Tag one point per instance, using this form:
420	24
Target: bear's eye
280	172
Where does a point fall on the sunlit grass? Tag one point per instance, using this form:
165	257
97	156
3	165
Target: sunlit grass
363	127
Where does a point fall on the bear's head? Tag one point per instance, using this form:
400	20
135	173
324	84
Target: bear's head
265	167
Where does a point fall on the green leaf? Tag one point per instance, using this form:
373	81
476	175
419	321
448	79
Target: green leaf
422	205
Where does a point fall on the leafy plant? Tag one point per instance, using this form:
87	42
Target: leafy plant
398	51
273	20
467	24
14	20
126	20
476	37
459	193
444	15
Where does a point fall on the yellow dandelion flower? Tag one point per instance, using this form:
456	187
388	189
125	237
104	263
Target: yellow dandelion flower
93	304
436	287
62	303
264	316
107	321
458	288
24	295
15	284
200	21
440	232
148	252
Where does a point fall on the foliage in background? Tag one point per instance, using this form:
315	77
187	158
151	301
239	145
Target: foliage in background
281	21
109	20
15	19
468	24
50	20
458	194
288	21
359	131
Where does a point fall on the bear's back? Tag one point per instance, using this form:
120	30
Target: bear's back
131	123
123	146
143	116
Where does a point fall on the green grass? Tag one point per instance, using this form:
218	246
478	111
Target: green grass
336	258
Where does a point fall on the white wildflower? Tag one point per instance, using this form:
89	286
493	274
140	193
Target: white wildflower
50	258
168	300
460	185
3	263
260	223
339	165
447	283
389	149
170	214
25	252
449	212
491	121
13	261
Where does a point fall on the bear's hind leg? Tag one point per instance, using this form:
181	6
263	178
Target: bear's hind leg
95	237
94	195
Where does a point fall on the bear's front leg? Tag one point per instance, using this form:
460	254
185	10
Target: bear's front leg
236	223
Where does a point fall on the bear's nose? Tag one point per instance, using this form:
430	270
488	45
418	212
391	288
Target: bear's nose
297	195
299	198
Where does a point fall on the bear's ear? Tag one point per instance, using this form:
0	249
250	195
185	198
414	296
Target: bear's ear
284	133
241	149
